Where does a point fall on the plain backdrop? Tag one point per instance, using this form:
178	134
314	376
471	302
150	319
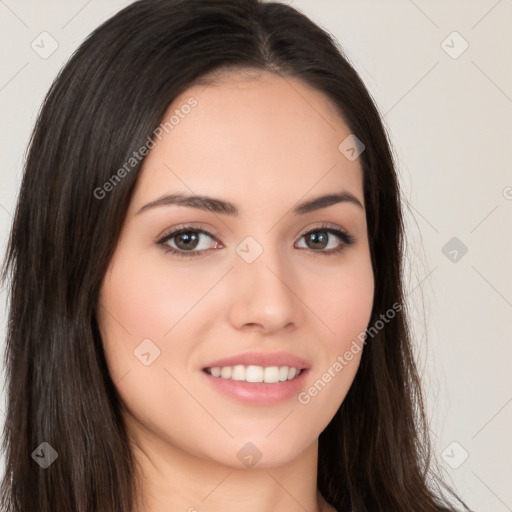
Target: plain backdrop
440	73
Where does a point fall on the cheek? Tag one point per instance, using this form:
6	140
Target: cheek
148	298
344	302
143	300
351	312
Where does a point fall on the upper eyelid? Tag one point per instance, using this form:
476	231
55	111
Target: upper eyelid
176	231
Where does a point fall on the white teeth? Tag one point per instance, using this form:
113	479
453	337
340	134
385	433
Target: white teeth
215	371
251	373
225	372
254	374
238	372
271	374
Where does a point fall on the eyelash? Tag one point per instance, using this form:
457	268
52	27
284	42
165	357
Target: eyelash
345	238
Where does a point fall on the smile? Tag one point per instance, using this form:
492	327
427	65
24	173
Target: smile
253	373
257	385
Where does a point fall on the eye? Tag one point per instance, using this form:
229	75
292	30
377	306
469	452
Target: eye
191	241
323	237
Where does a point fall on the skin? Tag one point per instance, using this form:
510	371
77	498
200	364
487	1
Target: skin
263	143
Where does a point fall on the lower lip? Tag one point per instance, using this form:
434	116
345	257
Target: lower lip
258	393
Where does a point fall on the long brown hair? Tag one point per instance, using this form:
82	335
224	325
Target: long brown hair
106	102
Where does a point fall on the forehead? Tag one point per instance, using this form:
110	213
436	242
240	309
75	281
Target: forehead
260	137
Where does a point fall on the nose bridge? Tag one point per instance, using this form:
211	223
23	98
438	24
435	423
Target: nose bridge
264	285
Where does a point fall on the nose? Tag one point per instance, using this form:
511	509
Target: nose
265	296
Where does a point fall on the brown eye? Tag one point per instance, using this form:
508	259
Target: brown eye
323	240
187	241
191	241
317	239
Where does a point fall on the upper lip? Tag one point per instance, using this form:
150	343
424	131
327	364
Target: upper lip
261	359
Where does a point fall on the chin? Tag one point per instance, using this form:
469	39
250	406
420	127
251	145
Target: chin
261	452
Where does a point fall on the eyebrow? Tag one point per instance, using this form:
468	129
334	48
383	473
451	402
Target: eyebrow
212	204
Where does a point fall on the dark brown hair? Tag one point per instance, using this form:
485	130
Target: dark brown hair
108	99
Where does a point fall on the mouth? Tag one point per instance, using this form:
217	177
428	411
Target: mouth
258	392
258	378
253	373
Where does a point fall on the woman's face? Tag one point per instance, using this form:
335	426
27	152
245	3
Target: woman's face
254	287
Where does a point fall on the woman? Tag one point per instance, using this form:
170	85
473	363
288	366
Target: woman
206	303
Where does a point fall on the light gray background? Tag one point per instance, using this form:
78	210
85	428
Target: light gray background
449	119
